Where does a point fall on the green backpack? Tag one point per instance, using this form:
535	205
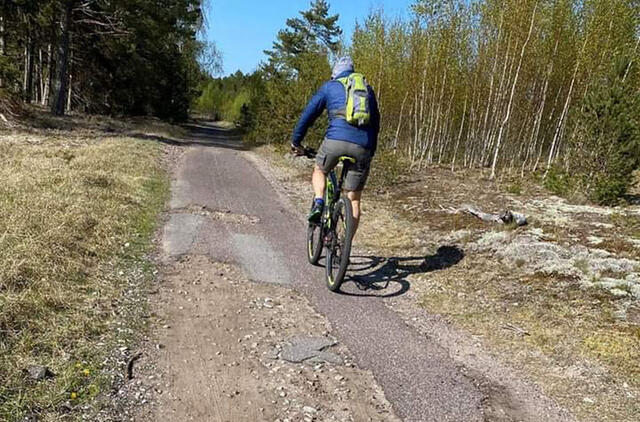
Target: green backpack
357	112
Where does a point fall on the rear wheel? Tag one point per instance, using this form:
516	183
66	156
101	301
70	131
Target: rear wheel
315	242
339	248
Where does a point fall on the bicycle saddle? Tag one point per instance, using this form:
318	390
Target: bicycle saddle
347	158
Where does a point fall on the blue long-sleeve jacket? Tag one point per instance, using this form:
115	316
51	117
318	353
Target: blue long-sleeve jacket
332	97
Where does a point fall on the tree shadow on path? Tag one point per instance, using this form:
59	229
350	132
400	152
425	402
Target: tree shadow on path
201	133
374	276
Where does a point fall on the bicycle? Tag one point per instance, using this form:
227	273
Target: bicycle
336	228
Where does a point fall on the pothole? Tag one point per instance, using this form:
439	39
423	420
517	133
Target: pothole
217	214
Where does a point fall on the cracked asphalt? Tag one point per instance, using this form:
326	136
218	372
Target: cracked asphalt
265	236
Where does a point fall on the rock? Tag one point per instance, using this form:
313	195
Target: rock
534	254
272	354
39	372
309	410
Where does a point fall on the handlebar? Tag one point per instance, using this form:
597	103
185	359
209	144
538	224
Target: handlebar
304	152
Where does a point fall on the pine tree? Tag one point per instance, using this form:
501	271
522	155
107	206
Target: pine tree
297	65
607	139
315	31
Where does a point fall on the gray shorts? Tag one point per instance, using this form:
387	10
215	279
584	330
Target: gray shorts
329	154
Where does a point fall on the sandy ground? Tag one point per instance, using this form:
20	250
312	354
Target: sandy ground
218	354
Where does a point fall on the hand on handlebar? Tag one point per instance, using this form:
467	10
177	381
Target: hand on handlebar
297	150
300	151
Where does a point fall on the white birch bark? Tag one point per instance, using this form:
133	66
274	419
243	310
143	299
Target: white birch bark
513	90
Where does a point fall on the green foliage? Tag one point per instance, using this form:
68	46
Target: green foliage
232	98
315	32
558	181
8	69
468	81
142	73
515	188
298	64
125	57
607	139
286	97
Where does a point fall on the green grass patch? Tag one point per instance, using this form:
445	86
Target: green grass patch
515	188
619	348
76	221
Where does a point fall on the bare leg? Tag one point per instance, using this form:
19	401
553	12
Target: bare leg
318	180
355	196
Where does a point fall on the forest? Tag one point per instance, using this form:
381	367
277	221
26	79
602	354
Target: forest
118	57
544	88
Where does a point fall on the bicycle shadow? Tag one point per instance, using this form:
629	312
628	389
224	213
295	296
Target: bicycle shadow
374	276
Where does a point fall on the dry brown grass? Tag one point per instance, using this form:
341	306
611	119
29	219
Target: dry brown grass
576	348
77	212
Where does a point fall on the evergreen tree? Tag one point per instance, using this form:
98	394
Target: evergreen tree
297	65
316	31
607	138
105	56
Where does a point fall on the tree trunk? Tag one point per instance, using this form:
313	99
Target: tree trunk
538	121
484	135
565	109
395	140
70	72
455	149
513	90
59	88
28	67
39	77
47	83
2	34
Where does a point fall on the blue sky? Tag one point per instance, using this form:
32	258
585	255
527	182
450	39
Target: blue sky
242	29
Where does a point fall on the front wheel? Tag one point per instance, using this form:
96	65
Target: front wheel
339	247
315	242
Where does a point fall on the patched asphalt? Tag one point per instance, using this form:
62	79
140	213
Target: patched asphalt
419	378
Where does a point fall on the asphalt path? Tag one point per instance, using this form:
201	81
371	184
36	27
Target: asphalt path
223	207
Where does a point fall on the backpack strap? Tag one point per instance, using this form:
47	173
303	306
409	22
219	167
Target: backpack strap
341	113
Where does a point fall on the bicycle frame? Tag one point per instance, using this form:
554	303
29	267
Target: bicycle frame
333	191
325	234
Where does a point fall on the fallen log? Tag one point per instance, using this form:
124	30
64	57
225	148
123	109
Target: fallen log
504	217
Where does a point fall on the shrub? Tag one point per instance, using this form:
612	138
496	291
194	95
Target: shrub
557	181
606	143
515	188
387	168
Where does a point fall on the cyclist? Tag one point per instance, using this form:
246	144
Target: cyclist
345	135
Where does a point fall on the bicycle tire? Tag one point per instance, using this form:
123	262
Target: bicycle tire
315	243
342	217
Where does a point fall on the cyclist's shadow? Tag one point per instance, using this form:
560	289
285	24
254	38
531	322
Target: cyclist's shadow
375	276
